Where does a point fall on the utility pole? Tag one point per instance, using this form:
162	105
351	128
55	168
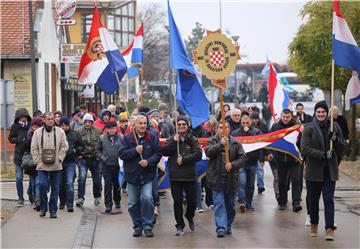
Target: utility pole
33	65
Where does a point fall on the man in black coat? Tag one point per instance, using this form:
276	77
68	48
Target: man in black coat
287	166
322	170
76	145
17	136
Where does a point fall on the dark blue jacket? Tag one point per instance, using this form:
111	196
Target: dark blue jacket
134	173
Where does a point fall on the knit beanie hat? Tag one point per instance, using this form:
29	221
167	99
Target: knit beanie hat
183	118
89	117
36	121
64	120
111	123
323	105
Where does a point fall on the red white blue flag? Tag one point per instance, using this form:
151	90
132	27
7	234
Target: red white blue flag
346	52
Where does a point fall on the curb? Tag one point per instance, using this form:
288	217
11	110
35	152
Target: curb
85	233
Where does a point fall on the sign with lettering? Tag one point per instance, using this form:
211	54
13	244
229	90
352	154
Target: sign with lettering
216	56
65	8
71	53
73	85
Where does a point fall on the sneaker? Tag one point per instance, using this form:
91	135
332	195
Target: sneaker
307	221
156	210
282	207
329	234
117	205
137	233
199	210
62	206
53	215
179	232
20	203
261	189
124	190
334	226
229	231
108	210
191	225
220	234
97	201
80	202
297	208
211	207
162	195
242	208
42	213
148	233
70	209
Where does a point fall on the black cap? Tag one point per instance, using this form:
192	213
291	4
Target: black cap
111	124
323	105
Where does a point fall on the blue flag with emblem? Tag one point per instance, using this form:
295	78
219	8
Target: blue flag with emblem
189	93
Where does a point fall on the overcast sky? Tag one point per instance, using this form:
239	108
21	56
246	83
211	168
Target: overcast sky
265	27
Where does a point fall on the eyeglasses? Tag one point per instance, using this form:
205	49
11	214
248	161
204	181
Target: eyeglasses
182	124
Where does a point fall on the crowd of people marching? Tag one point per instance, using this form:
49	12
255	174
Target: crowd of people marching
54	150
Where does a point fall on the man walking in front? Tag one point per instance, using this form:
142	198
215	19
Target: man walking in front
140	152
223	177
48	150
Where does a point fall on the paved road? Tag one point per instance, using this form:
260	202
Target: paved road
266	227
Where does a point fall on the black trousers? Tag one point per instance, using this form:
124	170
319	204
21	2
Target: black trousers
314	191
112	187
177	190
291	170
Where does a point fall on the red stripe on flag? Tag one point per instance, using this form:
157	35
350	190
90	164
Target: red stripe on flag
337	9
272	86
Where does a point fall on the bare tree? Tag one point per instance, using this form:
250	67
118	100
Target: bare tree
156	42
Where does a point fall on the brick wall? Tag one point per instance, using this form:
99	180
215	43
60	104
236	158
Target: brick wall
14	31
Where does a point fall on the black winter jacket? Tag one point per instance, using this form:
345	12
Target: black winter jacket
313	149
107	149
213	151
191	153
18	134
76	146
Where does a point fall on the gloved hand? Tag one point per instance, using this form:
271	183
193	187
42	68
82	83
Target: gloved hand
329	154
332	136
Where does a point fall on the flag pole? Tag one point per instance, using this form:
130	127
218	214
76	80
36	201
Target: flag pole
175	107
141	86
127	110
332	101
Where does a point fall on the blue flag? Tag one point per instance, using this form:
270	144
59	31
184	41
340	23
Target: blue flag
189	93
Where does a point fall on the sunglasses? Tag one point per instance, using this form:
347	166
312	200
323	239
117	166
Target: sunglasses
182	124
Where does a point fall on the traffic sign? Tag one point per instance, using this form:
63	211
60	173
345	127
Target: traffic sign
65	8
65	22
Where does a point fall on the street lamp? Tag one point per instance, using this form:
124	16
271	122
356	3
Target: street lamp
235	39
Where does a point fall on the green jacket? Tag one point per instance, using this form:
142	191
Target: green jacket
213	151
90	138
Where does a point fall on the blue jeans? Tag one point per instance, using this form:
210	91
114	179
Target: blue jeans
141	205
92	165
19	181
247	185
260	175
224	207
34	187
198	193
67	184
46	177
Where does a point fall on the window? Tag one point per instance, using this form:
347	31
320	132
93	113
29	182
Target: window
121	24
86	25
